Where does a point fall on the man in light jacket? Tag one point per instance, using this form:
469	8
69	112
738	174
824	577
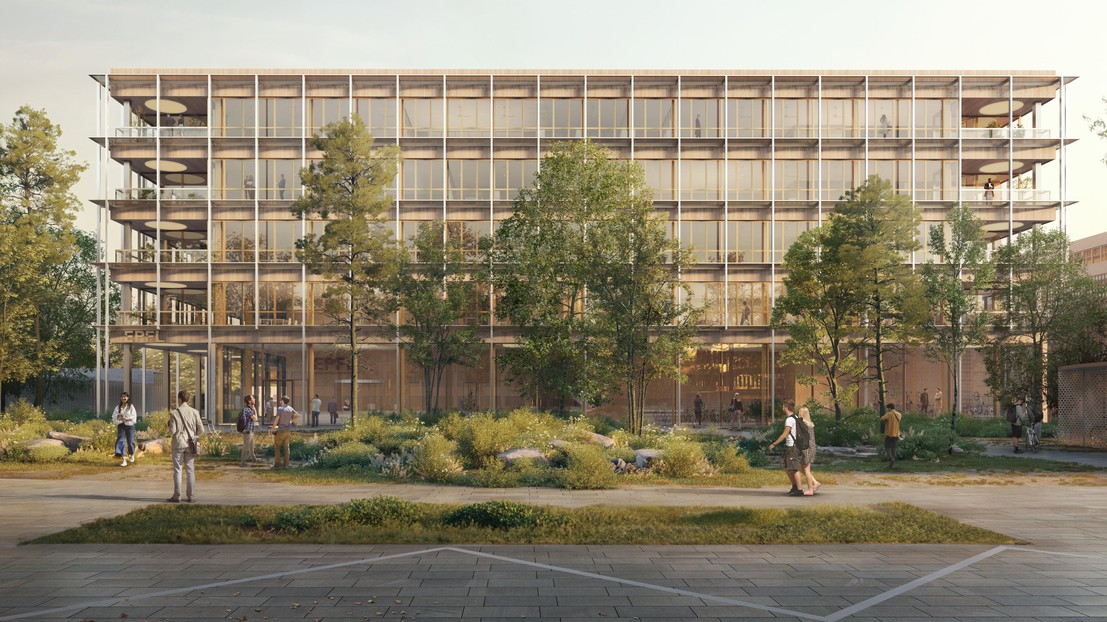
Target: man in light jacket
184	424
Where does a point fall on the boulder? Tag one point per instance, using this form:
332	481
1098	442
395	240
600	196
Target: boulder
521	453
156	446
645	457
45	442
70	441
599	439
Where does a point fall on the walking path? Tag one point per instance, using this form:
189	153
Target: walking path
1059	573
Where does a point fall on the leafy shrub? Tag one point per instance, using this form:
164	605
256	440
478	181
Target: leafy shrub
682	459
101	435
480	437
349	453
502	515
76	415
45	453
495	475
650	438
378	511
157	423
217	445
433	458
587	468
299	519
725	458
22	413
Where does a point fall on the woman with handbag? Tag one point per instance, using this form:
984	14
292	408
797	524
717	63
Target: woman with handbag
124	417
185	428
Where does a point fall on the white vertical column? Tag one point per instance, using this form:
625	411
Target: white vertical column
157	205
399	235
772	243
819	153
257	249
101	192
445	162
584	112
491	232
680	196
213	403
307	384
1010	156
726	202
1062	156
914	102
106	215
538	120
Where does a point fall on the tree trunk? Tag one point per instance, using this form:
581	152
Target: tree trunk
353	371
38	361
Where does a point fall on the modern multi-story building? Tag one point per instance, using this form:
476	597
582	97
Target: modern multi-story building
1092	250
199	168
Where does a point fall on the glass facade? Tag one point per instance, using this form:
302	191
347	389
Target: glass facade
740	164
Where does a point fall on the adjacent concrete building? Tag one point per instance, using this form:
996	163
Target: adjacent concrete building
199	168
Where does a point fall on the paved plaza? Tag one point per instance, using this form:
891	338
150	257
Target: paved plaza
1058	571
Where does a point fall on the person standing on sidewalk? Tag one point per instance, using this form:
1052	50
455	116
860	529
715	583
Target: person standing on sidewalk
185	428
124	418
282	429
792	460
249	420
316	406
891	420
332	409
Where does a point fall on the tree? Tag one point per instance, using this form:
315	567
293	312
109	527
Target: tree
434	294
539	268
37	207
879	228
819	309
347	190
1046	298
956	321
68	321
587	270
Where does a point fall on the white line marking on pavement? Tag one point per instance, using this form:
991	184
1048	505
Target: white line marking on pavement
109	602
906	587
660	588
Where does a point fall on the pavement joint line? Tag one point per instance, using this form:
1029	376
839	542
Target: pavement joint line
660	588
907	587
1023	549
110	602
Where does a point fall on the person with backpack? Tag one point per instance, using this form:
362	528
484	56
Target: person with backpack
890	422
246	421
1015	414
807	453
792	455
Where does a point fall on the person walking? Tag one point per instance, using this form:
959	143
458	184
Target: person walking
924	403
1016	413
249	419
808	455
124	417
332	409
185	428
316	406
282	430
792	461
891	420
938	402
697	408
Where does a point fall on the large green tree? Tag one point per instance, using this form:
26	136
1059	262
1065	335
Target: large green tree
347	188
586	268
819	309
880	226
1046	299
953	284
37	208
434	293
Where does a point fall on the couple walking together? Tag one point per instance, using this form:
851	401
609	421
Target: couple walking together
799	449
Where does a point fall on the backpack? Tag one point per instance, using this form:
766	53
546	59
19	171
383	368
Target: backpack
1012	414
801	435
242	423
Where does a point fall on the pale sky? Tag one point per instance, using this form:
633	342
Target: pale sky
49	47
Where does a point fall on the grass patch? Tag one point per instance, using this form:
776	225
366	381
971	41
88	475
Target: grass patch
386	520
956	462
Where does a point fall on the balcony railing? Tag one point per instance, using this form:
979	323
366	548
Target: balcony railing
1004	194
1005	132
171	255
196	317
173	193
145	131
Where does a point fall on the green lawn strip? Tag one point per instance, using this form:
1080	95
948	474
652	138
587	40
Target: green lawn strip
886	523
953	463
